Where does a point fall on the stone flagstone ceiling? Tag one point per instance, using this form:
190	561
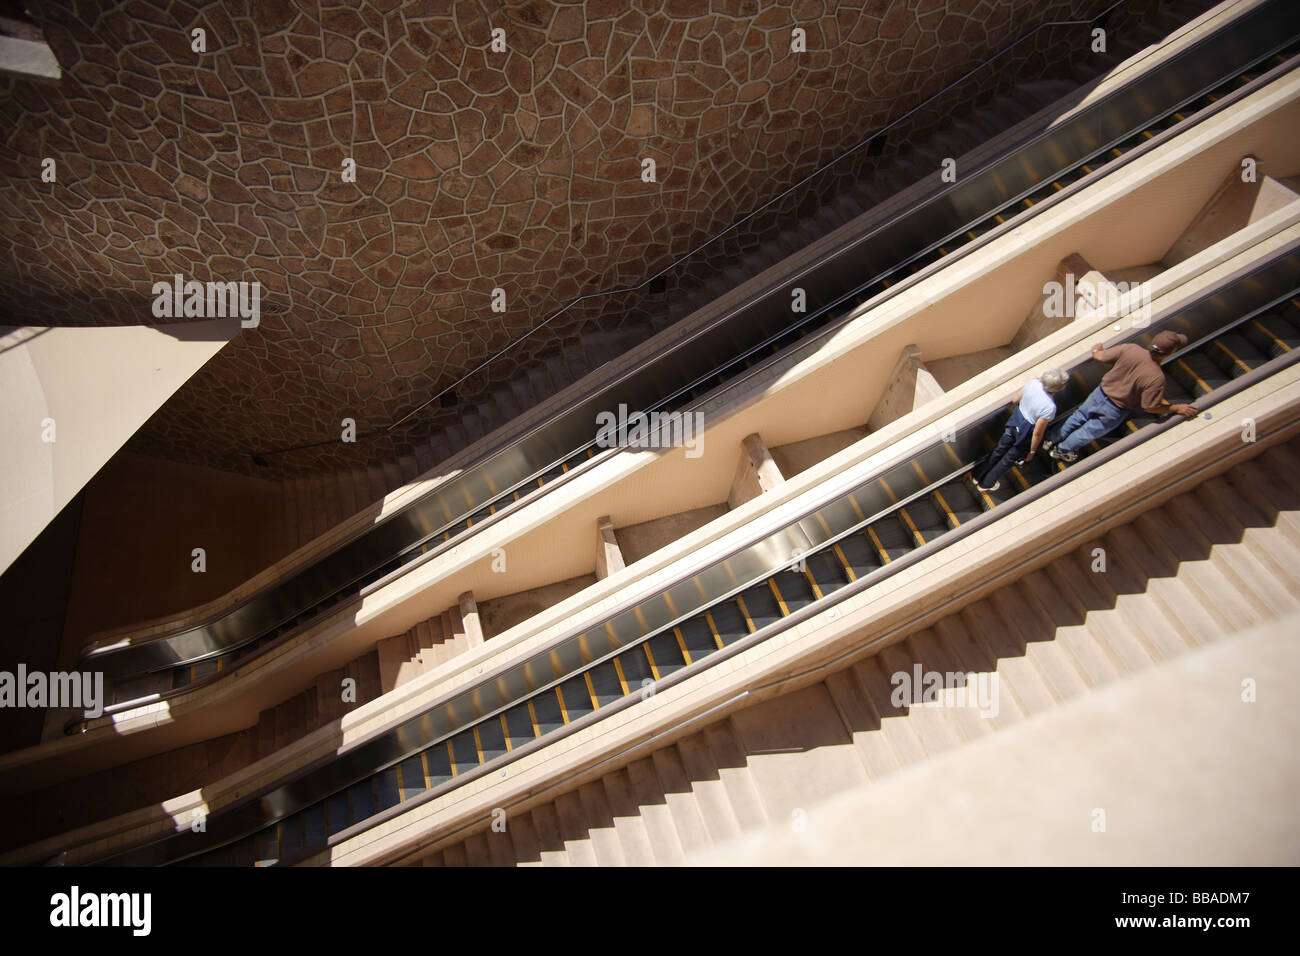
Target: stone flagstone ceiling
474	170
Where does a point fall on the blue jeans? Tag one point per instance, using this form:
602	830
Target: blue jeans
1011	447
1097	416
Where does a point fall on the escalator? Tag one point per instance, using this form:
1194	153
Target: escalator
909	509
986	202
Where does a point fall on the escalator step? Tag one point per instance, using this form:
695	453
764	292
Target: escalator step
761	605
577	698
860	554
412	777
893	536
1272	334
491	738
666	653
464	751
698	638
338	812
827	572
313	819
1198	374
437	765
546	708
729	621
605	682
961	501
362	794
794	589
520	724
636	668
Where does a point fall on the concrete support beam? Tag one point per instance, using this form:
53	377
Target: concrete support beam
910	386
1234	205
755	474
1080	290
469	618
609	559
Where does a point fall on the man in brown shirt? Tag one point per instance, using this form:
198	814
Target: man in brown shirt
1135	382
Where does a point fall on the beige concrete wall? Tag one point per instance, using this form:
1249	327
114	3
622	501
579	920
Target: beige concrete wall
98	386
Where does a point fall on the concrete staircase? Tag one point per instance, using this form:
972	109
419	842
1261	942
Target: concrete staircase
422	648
1215	561
394	661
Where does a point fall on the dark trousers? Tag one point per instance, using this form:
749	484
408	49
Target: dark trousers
1011	448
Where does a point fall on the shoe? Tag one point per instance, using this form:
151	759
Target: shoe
1068	457
1047	445
995	487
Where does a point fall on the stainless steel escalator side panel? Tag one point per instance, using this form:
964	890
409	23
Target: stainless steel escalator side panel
1235	297
1256	34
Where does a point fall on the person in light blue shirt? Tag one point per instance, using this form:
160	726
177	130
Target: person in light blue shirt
1034	411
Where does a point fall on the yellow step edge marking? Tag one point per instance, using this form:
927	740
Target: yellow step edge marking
1057	186
749	621
857	509
1196	379
889	491
451	755
911	526
505	732
401	797
717	638
1020	478
816	588
681	642
424	765
875	540
1232	356
532	715
1148	134
999	218
1028	203
564	710
952	518
622	678
971	234
1276	341
672	608
780	601
591	690
848	568
987	500
649	655
1117	151
478	744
